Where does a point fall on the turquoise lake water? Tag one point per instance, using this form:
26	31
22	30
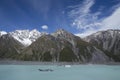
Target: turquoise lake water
75	72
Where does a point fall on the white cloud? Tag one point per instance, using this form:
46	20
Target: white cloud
113	21
45	27
83	19
86	33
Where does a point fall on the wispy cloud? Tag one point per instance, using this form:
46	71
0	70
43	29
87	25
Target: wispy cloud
44	27
84	19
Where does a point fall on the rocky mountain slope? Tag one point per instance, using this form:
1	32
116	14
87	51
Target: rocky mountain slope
9	47
62	46
108	41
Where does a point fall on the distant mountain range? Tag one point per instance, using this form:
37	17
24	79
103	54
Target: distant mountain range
60	46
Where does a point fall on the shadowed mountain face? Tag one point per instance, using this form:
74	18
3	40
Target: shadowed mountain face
60	46
9	47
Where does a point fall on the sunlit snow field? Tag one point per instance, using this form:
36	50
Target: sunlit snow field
75	72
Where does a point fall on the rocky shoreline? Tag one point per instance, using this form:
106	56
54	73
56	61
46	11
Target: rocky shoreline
13	62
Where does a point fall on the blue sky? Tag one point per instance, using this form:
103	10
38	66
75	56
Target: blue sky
81	17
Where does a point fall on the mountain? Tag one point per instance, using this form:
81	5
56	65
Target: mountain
26	37
108	41
2	33
9	47
63	46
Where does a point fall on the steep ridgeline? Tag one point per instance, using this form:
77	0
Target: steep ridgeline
108	41
63	46
9	47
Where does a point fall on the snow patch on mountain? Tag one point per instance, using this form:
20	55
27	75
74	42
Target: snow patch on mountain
102	35
2	33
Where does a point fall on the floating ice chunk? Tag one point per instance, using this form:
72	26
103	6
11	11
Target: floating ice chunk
67	66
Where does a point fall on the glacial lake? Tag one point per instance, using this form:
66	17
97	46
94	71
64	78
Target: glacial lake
75	72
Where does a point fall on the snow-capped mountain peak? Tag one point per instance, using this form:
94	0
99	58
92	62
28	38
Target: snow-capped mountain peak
34	34
3	33
26	37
